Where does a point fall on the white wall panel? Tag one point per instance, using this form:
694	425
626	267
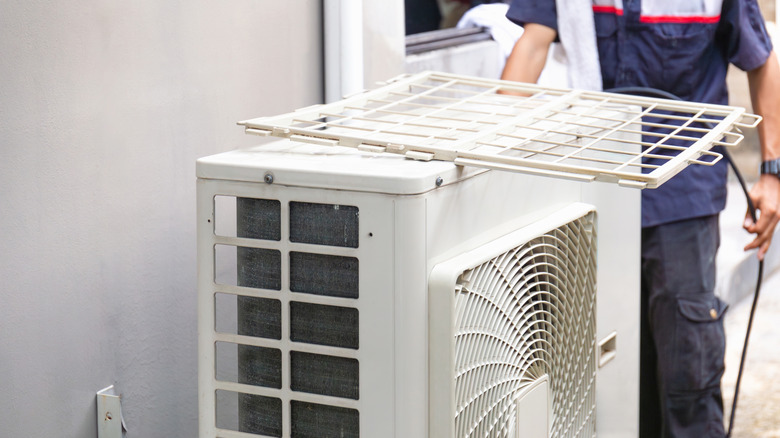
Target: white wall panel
104	107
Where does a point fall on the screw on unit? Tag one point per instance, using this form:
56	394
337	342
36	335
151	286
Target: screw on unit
439	181
269	179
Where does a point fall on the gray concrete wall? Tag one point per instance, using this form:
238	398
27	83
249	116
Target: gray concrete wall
104	107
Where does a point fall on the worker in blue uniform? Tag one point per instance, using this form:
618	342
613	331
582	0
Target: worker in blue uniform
683	48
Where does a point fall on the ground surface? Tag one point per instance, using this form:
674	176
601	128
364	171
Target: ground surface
758	408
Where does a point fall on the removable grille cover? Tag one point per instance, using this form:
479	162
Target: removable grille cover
637	142
255	396
513	319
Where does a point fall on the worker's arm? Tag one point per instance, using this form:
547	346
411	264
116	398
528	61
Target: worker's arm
529	55
765	95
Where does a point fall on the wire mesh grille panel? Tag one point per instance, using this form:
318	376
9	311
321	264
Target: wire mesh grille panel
287	318
583	135
523	316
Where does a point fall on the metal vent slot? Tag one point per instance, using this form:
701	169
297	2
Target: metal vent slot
259	268
252	218
322	274
324	325
249	413
259	218
311	420
260	366
250	267
324	224
259	317
257	366
325	375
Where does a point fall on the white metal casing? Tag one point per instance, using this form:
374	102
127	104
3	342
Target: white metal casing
407	224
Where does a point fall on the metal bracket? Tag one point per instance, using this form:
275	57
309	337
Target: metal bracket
110	422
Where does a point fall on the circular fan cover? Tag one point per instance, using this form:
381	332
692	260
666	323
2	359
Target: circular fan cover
525	315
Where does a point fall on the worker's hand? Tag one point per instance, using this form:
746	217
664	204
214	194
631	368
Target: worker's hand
766	198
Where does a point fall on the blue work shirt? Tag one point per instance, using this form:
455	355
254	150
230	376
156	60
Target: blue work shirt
680	47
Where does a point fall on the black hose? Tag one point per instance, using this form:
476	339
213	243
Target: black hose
651	92
752	209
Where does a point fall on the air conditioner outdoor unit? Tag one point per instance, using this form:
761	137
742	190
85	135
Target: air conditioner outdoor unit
347	292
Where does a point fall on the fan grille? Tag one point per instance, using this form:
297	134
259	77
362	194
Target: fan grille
524	314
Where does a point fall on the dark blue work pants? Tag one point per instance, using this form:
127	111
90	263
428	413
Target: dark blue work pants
682	337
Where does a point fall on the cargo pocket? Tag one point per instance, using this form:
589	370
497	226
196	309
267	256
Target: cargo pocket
700	344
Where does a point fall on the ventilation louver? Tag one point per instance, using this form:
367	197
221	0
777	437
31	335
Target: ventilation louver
513	336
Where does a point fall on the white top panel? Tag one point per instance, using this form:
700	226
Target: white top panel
307	165
565	133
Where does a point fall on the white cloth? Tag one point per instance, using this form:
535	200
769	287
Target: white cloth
557	71
493	17
577	33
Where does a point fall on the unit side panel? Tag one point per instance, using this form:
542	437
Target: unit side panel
464	216
319	281
618	306
206	400
411	317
